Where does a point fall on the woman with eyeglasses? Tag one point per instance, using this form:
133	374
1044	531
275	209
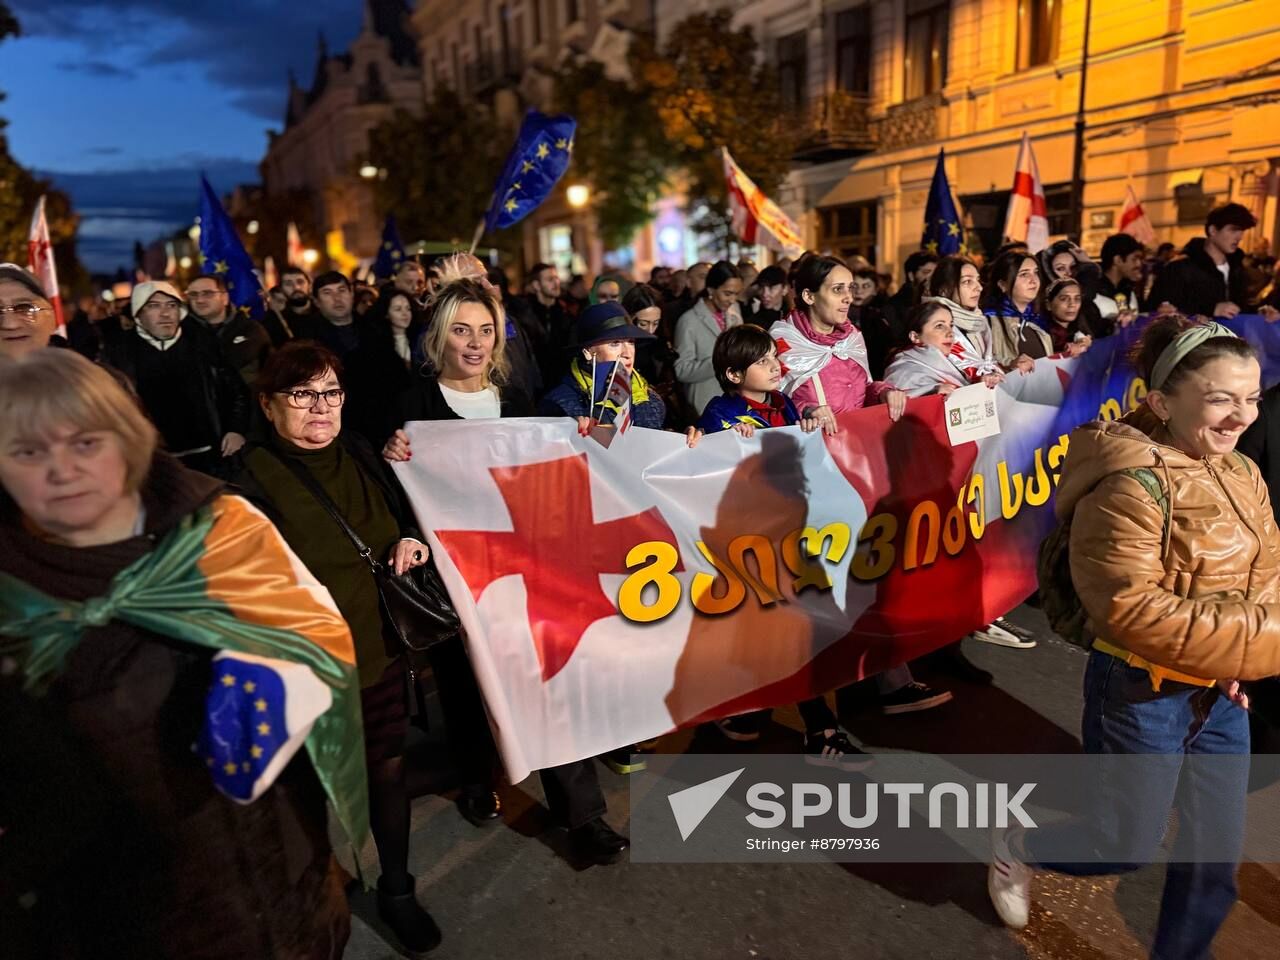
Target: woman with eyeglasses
27	320
301	394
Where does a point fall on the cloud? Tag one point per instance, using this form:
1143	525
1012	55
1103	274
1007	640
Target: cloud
245	47
97	68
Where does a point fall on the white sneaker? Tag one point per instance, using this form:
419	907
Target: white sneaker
993	633
1008	883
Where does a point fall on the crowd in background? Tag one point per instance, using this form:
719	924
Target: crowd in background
300	412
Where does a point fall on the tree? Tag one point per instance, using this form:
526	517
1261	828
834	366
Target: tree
619	149
19	192
441	167
709	90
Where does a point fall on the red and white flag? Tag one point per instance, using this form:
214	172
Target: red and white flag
293	247
1134	220
756	218
40	259
1028	217
270	278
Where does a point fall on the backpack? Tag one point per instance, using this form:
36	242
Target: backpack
1058	598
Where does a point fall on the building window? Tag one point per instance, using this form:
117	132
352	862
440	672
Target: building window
535	14
571	12
926	47
850	229
792	69
1038	22
853	49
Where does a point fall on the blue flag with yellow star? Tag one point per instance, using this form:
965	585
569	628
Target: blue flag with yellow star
943	234
536	163
390	251
221	252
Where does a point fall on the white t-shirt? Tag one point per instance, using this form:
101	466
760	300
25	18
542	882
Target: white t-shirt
1224	268
481	405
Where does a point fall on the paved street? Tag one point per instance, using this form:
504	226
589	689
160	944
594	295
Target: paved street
508	891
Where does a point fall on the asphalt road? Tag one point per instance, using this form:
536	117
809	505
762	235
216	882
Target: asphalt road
509	891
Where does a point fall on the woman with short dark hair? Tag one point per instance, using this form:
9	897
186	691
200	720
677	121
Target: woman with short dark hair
308	466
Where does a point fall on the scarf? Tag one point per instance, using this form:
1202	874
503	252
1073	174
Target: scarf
582	377
921	370
804	354
224	579
973	347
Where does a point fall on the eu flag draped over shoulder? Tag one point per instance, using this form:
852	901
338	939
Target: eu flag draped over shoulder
390	251
536	163
943	234
223	253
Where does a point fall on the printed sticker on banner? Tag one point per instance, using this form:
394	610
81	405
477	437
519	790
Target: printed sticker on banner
971	414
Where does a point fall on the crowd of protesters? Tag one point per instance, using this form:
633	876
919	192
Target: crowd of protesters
172	400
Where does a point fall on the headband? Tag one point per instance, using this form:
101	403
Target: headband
1181	346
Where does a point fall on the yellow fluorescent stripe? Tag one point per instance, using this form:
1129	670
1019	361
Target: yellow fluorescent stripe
248	566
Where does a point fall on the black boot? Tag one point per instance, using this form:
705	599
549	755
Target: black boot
952	662
480	806
412	925
597	842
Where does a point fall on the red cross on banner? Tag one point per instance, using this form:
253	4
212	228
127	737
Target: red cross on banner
558	547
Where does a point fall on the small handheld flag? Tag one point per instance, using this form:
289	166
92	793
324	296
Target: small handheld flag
390	250
535	165
293	252
221	252
617	395
943	234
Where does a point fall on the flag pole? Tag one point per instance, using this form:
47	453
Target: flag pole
475	240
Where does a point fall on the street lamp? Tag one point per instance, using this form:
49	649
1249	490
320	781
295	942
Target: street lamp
185	263
252	227
368	171
578	194
194	233
310	256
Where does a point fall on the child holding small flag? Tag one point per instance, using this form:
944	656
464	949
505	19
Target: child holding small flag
745	360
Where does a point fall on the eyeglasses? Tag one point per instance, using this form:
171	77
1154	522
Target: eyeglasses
306	399
165	306
26	310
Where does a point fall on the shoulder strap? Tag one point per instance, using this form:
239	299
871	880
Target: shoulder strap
1151	483
1244	462
313	487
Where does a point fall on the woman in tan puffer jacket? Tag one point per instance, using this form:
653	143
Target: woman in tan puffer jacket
1175	556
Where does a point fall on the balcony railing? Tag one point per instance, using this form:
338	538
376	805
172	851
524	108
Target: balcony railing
905	124
835	125
488	73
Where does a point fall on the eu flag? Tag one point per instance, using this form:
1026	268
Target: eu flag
390	251
221	252
536	163
942	231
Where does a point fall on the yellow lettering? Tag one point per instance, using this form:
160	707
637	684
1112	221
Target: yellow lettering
1137	393
661	559
953	529
1110	410
910	547
702	589
1010	502
1058	453
878	533
978	496
806	572
765	585
1039	487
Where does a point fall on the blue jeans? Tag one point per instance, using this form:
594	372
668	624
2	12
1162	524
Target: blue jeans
1123	715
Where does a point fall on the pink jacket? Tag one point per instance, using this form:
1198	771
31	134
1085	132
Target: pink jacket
845	384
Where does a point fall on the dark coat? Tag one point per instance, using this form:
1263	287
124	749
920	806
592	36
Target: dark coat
244	341
223	397
1261	443
1194	283
880	334
569	400
423	400
115	839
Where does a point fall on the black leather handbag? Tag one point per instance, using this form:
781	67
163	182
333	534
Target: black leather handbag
415	605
